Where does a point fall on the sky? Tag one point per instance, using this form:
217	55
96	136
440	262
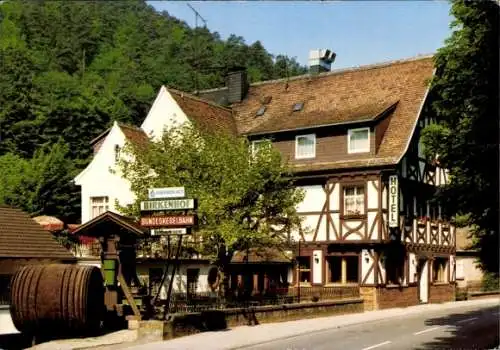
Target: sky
359	32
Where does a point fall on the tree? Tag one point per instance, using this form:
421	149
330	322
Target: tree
41	185
246	200
465	99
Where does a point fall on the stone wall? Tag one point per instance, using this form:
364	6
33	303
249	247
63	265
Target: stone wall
440	293
185	324
389	297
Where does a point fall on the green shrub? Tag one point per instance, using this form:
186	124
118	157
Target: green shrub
490	282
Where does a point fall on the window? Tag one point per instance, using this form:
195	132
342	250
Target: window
261	111
358	140
343	269
117	153
304	269
439	270
305	146
98	205
298	106
354	200
259	144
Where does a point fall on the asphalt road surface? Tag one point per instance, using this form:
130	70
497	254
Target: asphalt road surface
471	327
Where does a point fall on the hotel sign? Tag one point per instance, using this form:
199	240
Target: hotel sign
166	192
393	201
168	221
168	204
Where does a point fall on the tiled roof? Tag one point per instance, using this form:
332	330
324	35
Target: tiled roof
91	228
343	96
22	237
262	255
207	115
133	134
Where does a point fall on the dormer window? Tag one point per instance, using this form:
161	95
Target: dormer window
298	106
305	146
261	111
117	153
358	140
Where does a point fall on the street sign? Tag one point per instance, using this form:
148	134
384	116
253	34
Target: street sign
169	231
166	192
168	221
168	204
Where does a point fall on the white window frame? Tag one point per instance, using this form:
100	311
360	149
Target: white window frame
349	135
104	204
309	156
256	142
355	195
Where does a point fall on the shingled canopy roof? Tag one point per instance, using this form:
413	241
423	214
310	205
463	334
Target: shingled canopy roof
341	97
22	237
206	115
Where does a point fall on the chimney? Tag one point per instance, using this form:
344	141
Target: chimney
237	84
320	60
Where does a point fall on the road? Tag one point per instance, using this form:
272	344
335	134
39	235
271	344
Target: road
473	327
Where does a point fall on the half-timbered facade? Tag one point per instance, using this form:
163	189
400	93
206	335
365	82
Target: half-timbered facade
369	215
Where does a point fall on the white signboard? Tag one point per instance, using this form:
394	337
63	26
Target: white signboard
168	204
393	201
166	192
169	231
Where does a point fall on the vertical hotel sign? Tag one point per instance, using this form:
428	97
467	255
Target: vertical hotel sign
393	201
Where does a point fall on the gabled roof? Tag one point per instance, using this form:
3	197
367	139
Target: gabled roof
22	237
351	95
205	114
91	228
132	133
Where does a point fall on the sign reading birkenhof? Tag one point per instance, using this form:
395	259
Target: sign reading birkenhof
393	201
168	204
168	221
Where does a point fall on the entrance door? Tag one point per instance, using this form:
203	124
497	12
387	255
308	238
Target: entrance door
423	280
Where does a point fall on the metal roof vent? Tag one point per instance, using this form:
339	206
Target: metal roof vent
261	111
298	106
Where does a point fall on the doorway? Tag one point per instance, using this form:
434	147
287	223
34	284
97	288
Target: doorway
423	280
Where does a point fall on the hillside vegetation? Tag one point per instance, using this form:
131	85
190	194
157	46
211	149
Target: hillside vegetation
69	69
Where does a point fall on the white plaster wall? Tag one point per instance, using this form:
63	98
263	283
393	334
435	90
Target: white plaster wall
371	218
366	262
97	180
309	226
452	268
424	282
335	197
336	224
381	266
164	114
6	325
372	195
317	266
412	260
314	199
470	274
352	224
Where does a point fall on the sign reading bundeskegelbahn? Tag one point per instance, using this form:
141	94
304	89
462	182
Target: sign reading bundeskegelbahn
169	231
168	204
166	192
167	221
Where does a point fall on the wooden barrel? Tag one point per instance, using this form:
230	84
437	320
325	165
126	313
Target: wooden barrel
57	299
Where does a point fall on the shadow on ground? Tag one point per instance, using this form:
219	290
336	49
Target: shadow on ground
482	333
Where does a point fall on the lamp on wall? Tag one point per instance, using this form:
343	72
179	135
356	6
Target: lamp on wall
316	258
367	258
